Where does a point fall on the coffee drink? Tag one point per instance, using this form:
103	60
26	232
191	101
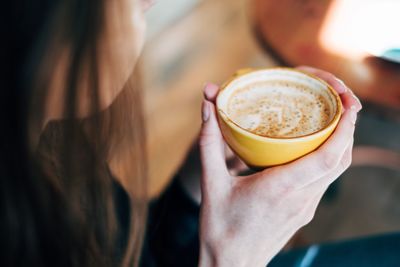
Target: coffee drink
279	107
273	116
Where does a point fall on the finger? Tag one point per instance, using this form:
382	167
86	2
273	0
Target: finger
325	182
344	164
347	96
321	162
337	84
211	92
211	146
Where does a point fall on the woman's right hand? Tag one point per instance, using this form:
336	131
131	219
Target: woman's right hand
246	220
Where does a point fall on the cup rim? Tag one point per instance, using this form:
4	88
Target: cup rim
243	72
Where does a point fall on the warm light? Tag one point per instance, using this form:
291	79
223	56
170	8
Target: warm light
357	28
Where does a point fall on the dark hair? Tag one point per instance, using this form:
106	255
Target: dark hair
44	221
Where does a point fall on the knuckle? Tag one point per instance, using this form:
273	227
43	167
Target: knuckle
209	137
308	217
206	139
350	127
346	162
307	213
301	215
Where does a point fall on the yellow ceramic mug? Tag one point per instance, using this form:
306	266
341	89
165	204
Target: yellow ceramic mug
260	151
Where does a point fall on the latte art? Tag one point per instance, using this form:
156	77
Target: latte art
279	109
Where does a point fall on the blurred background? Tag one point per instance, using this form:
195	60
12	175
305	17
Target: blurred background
191	42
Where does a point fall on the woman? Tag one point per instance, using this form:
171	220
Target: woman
73	163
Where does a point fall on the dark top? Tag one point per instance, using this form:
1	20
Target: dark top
172	231
173	226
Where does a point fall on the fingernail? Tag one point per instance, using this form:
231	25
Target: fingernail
205	111
353	114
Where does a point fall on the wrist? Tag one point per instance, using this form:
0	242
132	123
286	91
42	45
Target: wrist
210	257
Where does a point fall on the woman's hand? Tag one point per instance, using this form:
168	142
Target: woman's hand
246	220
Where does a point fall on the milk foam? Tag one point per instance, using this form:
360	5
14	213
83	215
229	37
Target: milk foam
279	109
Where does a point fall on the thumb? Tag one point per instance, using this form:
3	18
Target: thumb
212	147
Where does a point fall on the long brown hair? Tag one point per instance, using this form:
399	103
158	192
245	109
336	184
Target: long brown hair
46	221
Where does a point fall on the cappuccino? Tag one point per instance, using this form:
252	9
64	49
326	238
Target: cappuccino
273	116
279	106
278	109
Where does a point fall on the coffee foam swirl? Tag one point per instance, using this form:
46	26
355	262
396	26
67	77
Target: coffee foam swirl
279	109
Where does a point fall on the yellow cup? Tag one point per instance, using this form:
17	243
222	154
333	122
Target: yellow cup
259	151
